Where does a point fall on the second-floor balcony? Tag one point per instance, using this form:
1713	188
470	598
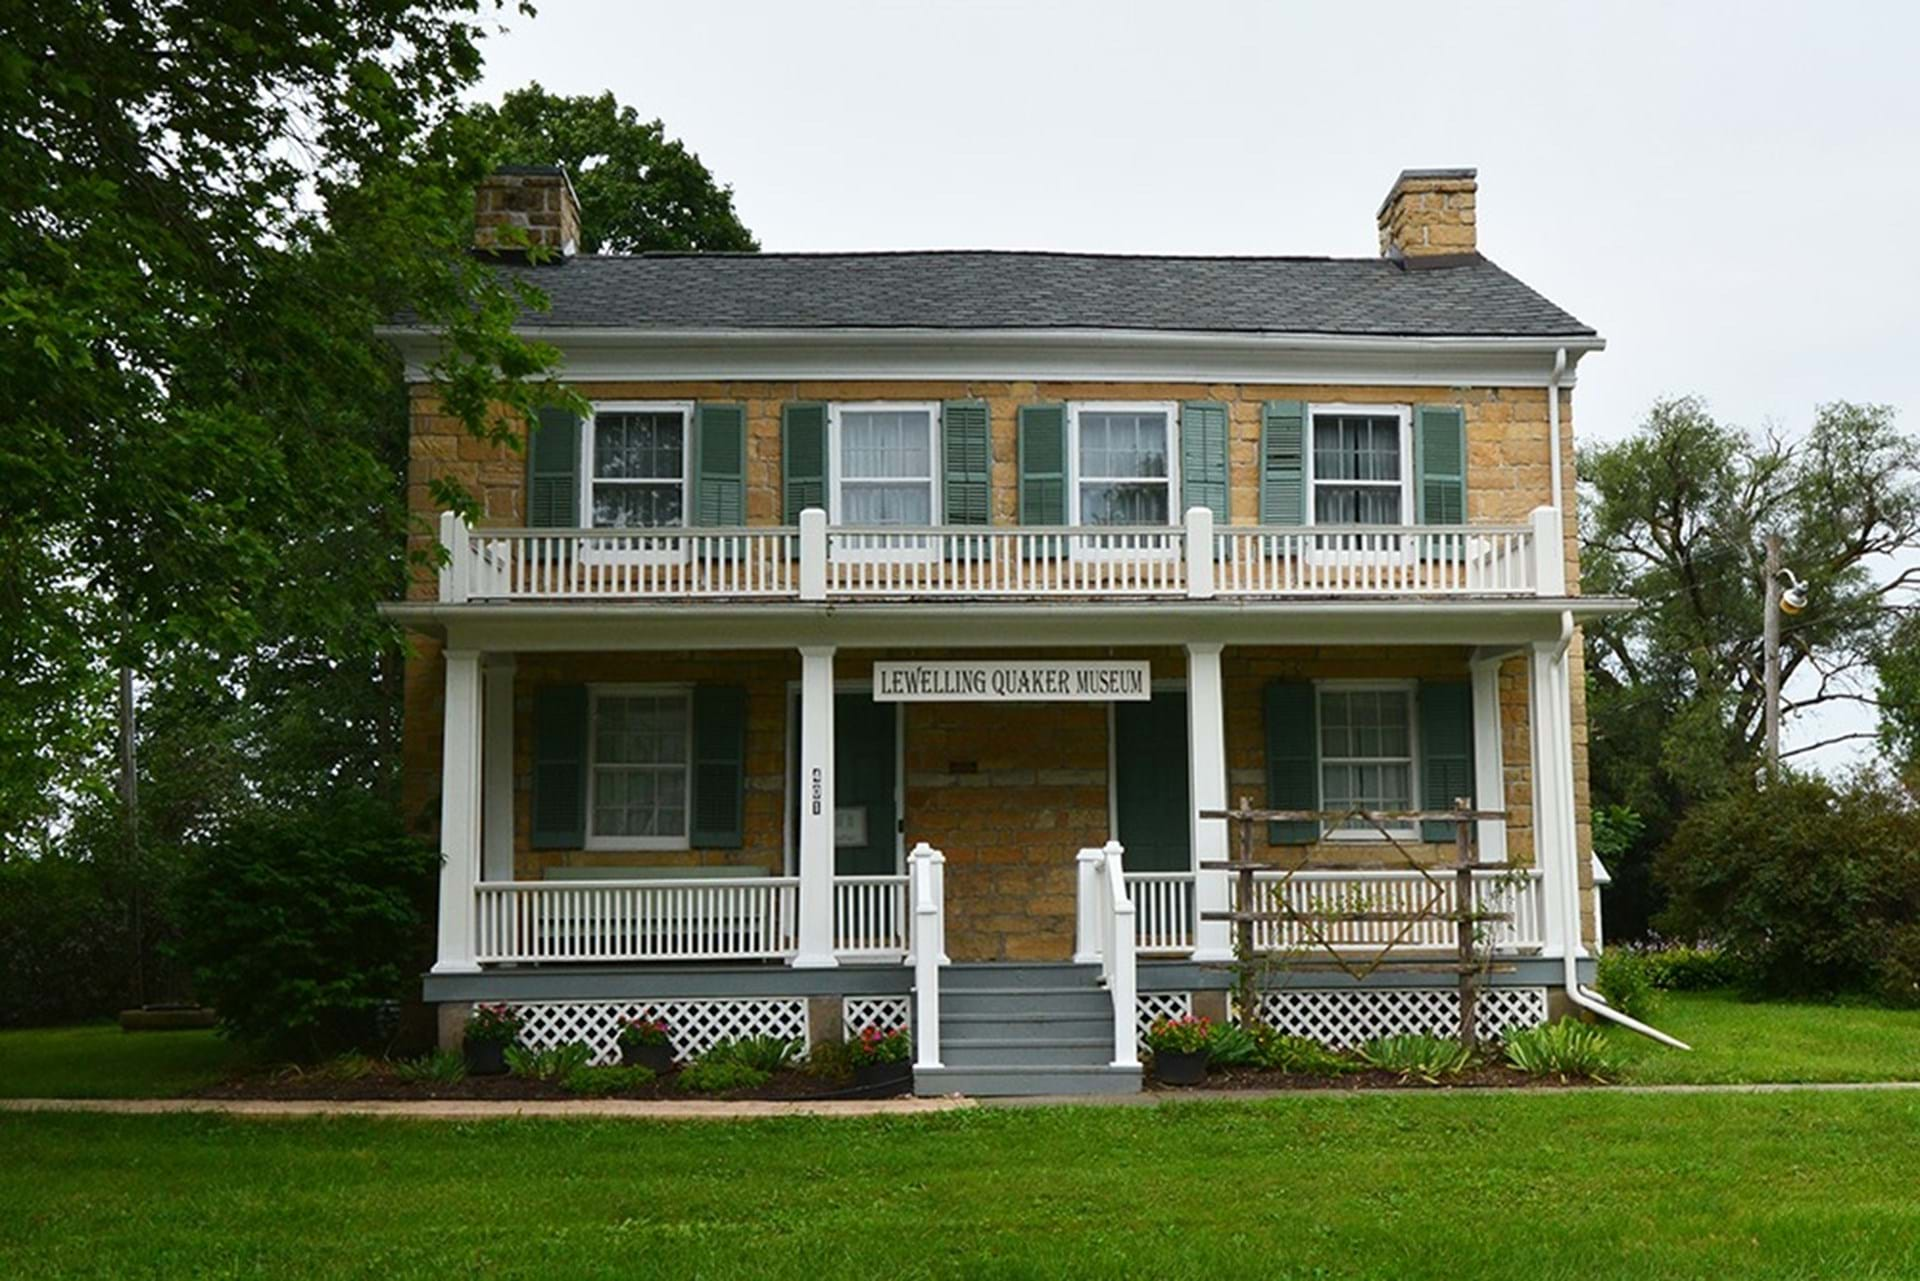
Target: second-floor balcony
815	561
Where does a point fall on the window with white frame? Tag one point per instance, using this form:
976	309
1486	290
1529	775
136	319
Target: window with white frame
1359	467
1123	465
1366	751
639	776
636	473
883	464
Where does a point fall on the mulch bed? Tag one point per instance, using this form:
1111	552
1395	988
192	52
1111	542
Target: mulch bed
285	1085
1486	1074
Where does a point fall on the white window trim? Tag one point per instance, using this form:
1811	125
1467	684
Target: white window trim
927	549
1411	688
1170	408
595	692
670	549
1405	414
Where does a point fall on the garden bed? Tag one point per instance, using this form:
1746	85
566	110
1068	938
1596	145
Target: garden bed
1480	1076
380	1084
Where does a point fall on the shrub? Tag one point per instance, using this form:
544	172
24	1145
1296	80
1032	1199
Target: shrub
300	925
1416	1057
1231	1046
598	1082
874	1046
441	1068
1675	967
1565	1049
1188	1034
1278	1052
1812	888
710	1075
1625	979
552	1065
830	1060
765	1054
493	1025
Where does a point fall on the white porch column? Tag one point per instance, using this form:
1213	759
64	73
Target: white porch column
1555	845
1207	790
459	813
496	769
816	809
1489	767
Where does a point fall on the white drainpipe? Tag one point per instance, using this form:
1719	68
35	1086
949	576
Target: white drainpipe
1562	781
1553	420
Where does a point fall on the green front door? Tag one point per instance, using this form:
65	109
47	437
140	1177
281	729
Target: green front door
865	773
1150	783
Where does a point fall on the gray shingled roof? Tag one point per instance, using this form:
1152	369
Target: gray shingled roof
977	289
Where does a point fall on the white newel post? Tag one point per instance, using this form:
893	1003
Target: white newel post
1549	552
459	813
813	554
1489	765
496	769
927	884
454	576
1199	552
1086	923
1554	839
1119	943
1207	788
815	942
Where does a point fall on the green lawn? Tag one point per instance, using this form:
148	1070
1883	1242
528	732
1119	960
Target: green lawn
99	1061
1535	1185
1734	1040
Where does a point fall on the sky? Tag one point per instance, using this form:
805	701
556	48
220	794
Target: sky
1730	193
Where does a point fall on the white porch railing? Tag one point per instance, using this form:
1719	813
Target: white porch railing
1115	929
812	562
1397	891
870	916
1162	910
636	920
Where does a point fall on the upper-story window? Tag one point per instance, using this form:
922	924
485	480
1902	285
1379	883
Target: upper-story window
883	464
1124	471
637	464
1358	466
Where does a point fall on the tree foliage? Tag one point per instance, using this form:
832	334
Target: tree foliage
639	189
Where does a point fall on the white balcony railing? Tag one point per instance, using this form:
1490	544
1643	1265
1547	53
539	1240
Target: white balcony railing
813	562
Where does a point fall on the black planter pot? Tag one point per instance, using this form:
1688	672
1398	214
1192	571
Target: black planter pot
485	1058
884	1078
1172	1068
657	1059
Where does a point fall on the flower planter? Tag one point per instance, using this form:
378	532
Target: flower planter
884	1078
1172	1068
485	1058
657	1059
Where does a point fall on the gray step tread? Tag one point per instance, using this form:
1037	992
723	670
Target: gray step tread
1023	1016
1024	993
1025	1042
1014	1081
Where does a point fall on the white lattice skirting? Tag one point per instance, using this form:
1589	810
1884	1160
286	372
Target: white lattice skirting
1347	1017
858	1013
1148	1006
696	1026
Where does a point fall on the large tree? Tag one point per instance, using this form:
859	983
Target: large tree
638	188
1676	516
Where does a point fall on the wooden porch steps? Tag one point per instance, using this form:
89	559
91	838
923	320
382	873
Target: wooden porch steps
1021	1029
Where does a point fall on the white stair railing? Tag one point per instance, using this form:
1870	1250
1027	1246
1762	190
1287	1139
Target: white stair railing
928	871
1114	912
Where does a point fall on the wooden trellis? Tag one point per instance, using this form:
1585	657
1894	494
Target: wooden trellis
1463	912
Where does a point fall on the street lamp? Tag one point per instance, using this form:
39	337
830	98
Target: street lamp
1790	599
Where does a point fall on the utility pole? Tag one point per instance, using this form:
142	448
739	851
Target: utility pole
1771	653
130	831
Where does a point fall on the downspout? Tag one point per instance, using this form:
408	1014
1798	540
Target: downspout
1553	420
1562	782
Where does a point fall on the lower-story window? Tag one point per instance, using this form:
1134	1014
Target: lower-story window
639	778
1366	752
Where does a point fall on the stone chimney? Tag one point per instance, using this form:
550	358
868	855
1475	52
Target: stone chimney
1428	216
538	199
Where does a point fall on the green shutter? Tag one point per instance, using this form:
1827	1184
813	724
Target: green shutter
1203	459
553	471
559	767
1043	464
967	442
1446	751
1293	759
803	458
1440	464
1283	463
719	466
719	767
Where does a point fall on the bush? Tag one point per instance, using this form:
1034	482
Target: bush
1232	1046
830	1060
1625	979
710	1075
1565	1049
1812	889
766	1054
598	1082
441	1068
1278	1052
67	941
553	1065
300	925
1676	967
1416	1057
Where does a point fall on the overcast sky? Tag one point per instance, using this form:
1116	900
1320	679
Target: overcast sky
1730	193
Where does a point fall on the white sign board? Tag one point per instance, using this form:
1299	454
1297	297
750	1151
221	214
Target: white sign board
1014	681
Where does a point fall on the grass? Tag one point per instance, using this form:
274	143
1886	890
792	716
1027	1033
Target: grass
1542	1185
1740	1041
99	1061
